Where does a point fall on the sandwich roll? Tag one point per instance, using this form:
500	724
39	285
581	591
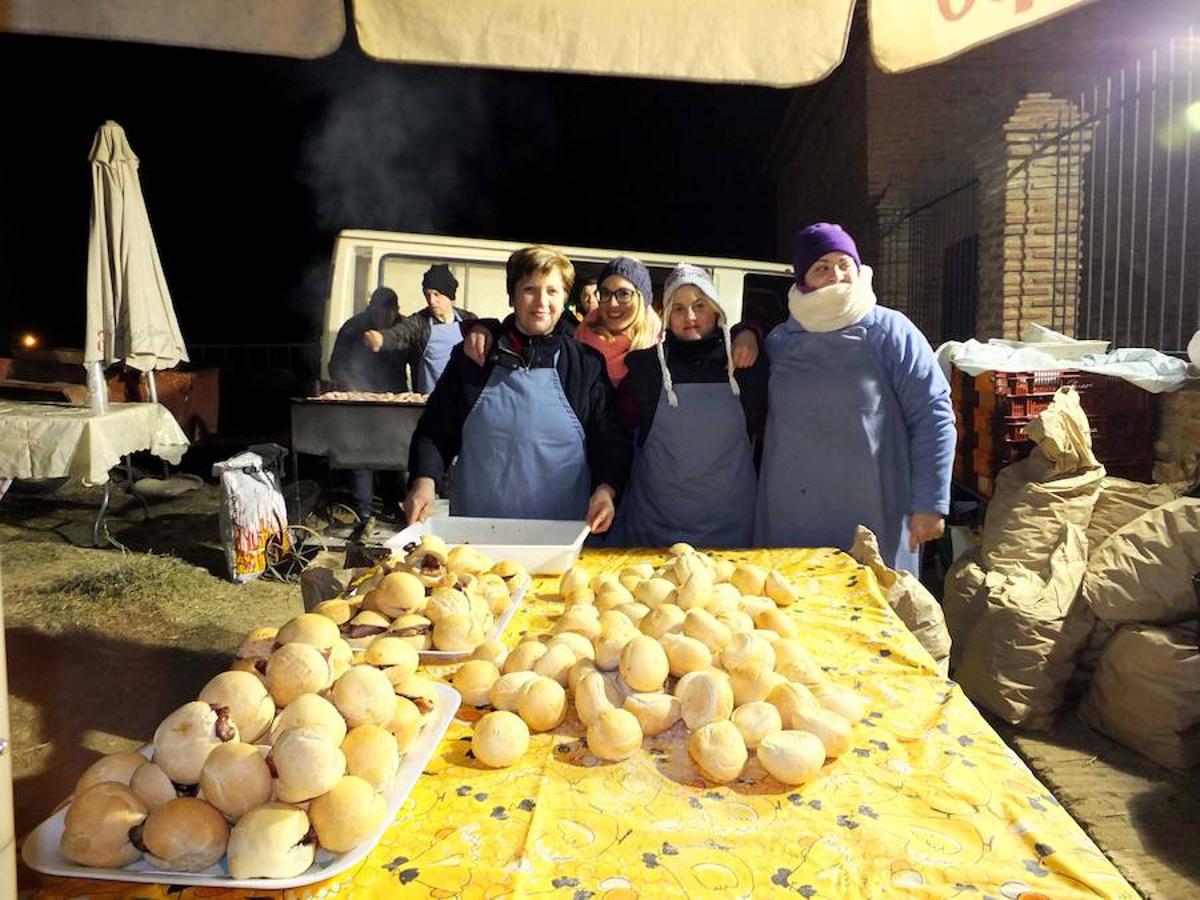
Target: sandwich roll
406	724
311	711
364	696
235	779
271	841
98	823
184	835
184	739
152	785
372	754
250	705
296	669
347	815
306	764
308	628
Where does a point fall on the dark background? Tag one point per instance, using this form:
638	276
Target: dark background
250	165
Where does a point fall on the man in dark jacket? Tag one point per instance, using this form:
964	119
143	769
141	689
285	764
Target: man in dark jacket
534	428
427	337
354	367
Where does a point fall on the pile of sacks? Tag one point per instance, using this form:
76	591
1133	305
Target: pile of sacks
1086	578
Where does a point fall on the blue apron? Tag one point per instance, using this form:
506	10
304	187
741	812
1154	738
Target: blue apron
442	339
523	452
693	480
836	449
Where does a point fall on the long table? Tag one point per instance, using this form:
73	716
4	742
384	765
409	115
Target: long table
929	802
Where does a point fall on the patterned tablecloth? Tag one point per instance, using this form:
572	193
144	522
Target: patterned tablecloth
928	803
57	440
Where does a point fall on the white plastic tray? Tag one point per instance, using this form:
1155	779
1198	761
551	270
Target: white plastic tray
450	656
40	850
542	546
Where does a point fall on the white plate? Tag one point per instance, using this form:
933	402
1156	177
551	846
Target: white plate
542	546
40	850
450	656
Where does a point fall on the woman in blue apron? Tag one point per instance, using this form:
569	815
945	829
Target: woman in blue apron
694	417
535	428
860	429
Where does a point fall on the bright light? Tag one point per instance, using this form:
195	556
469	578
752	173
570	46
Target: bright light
29	341
1193	115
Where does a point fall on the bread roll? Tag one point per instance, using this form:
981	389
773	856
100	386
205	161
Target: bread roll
578	671
685	654
792	757
755	721
703	626
397	594
337	610
654	592
507	689
666	618
250	705
584	620
780	589
644	664
271	842
500	739
258	644
457	632
420	690
757	684
388	651
747	653
749	579
414	629
574	579
614	735
542	704
634	612
846	703
308	628
778	621
695	591
311	711
184	739
556	663
704	697
97	825
735	620
185	835
306	763
364	696
792	700
118	767
154	788
373	754
235	779
523	656
610	644
832	729
474	680
346	816
493	651
655	712
592	697
296	669
406	723
718	751
579	645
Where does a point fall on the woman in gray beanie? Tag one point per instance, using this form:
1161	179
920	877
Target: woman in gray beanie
694	417
860	429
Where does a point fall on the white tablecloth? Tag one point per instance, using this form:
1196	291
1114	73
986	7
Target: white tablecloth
56	440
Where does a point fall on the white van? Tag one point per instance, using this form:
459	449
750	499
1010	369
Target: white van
364	260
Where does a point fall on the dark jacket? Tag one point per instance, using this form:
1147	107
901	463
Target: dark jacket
411	333
354	367
438	436
690	362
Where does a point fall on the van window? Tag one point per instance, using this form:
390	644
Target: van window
362	278
764	300
480	284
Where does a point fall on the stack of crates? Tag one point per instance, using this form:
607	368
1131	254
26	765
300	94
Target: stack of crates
992	409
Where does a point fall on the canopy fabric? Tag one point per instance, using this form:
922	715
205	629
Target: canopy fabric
130	316
908	34
299	28
781	43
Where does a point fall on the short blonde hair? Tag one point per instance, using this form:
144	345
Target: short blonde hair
538	258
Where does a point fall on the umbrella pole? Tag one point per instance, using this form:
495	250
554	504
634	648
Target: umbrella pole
152	385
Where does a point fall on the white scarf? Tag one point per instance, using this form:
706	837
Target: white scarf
834	307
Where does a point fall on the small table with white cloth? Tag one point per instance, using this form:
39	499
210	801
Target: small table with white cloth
57	440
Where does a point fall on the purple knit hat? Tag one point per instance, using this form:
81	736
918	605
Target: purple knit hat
633	271
818	239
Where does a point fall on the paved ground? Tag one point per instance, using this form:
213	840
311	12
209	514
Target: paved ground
1145	818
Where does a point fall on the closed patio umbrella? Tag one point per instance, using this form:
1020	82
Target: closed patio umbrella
130	316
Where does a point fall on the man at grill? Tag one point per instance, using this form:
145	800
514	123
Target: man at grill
535	428
428	336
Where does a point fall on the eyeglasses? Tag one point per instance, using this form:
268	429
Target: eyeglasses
623	296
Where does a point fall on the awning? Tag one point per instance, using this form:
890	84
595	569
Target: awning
909	34
300	28
782	43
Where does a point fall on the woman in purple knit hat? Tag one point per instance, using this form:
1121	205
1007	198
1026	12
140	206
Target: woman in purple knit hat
859	425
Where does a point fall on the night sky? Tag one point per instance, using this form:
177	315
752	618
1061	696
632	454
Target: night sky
250	165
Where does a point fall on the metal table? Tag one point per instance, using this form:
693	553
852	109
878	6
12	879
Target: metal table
355	434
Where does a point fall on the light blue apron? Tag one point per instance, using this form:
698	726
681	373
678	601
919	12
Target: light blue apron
693	480
836	448
442	339
523	452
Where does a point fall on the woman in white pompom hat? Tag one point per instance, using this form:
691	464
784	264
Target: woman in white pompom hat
694	416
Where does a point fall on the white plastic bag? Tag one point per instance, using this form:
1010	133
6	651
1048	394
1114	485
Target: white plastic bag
253	516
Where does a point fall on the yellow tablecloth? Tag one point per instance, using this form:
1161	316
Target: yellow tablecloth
928	803
57	440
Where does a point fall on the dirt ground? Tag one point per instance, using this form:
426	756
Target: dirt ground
102	644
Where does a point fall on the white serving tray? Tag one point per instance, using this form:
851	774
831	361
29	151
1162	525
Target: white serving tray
542	546
40	850
452	656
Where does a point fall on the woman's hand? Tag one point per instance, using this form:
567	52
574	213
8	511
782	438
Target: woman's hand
477	342
601	509
420	502
745	349
924	526
373	340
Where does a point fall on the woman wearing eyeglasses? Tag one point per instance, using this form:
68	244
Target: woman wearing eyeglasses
693	475
860	429
624	319
534	428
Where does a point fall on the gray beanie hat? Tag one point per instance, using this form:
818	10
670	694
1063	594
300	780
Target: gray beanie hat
681	275
632	271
